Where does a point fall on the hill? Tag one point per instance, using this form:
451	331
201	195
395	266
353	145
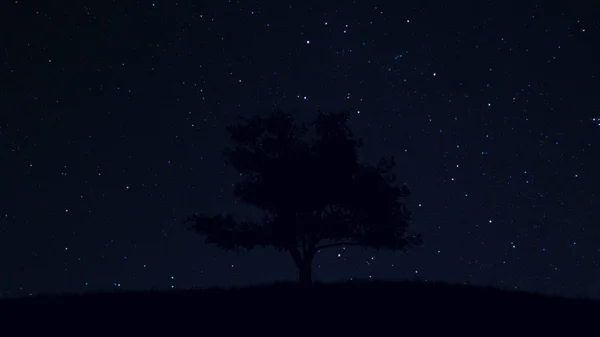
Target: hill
289	308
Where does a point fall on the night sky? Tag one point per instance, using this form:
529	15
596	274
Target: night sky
113	115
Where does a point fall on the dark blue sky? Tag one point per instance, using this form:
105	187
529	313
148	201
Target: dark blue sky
113	121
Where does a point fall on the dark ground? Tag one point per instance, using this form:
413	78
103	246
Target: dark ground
355	308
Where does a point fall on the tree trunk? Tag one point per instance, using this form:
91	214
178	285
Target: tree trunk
304	265
305	272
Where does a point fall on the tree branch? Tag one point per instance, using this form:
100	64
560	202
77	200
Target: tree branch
337	244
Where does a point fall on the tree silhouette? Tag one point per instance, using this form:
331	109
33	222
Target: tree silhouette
314	192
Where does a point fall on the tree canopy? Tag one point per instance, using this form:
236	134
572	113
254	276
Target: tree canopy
313	191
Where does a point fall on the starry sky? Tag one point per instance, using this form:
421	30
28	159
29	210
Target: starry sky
113	118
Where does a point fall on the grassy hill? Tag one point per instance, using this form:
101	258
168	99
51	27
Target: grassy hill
378	306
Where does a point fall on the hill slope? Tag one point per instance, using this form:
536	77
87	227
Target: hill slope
372	305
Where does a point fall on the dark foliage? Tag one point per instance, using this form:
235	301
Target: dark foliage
371	306
314	192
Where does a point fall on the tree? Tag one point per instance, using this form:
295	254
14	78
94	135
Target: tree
314	192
